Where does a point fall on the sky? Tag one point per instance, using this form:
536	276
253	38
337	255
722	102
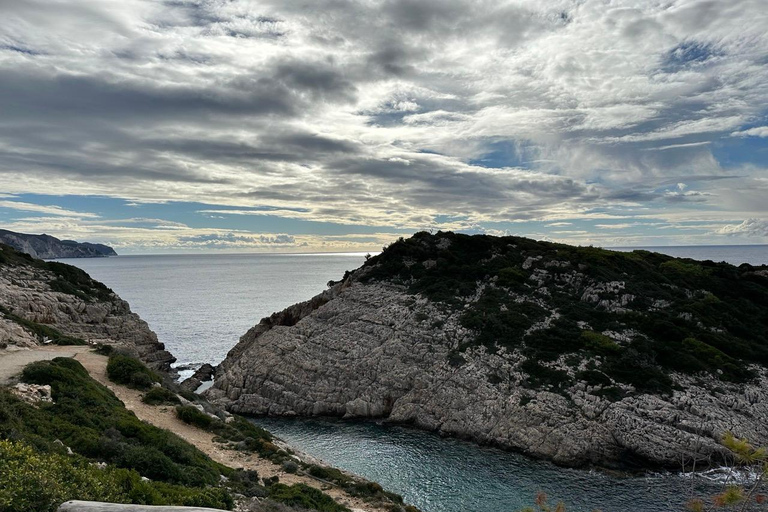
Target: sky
335	125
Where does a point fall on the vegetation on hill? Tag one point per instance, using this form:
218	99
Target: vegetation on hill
634	316
130	372
118	458
68	279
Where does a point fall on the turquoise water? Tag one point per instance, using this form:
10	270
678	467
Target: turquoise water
448	475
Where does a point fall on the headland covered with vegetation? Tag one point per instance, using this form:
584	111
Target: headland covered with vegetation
579	355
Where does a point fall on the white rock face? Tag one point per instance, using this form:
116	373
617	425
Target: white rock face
374	351
25	291
33	393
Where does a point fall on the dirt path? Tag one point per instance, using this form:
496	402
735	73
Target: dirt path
12	362
165	417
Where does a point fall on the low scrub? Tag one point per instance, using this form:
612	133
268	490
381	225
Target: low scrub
682	315
192	415
39	482
130	372
353	486
160	396
300	495
88	418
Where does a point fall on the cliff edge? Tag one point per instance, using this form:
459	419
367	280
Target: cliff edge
578	355
51	302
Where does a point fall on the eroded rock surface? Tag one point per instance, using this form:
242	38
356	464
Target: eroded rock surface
26	292
374	350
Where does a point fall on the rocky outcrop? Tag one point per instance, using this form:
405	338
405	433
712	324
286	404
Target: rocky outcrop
30	290
49	247
374	349
203	374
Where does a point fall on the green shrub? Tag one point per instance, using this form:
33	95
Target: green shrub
104	350
40	482
160	396
31	481
88	417
539	376
300	495
193	416
723	307
599	343
130	372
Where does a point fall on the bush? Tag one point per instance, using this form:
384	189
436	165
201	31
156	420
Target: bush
130	372
160	396
300	495
599	343
104	350
722	308
31	481
193	416
290	466
87	417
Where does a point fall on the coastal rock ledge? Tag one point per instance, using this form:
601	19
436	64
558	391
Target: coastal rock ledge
386	342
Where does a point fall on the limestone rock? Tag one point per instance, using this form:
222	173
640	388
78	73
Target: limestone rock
33	393
26	291
366	351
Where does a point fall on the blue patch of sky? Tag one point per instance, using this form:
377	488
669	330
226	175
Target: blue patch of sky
735	151
688	53
503	154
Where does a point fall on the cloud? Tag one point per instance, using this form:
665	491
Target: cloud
387	113
760	131
48	210
755	228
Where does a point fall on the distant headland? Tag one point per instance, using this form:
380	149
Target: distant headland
47	247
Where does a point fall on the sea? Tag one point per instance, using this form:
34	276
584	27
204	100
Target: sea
199	306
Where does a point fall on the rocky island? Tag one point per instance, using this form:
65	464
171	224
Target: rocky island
47	247
578	355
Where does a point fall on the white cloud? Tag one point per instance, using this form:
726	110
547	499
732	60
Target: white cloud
48	210
754	228
760	131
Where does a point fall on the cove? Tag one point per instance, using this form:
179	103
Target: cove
448	475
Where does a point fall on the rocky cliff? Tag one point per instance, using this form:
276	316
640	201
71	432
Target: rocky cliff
49	302
577	355
48	247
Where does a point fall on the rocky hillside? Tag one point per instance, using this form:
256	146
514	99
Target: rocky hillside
48	247
574	354
50	302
